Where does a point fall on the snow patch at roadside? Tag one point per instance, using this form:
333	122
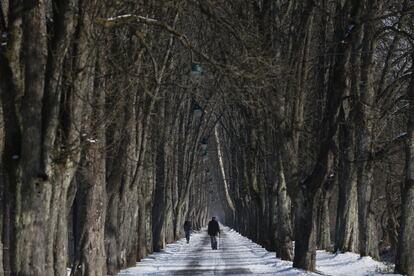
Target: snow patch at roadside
348	264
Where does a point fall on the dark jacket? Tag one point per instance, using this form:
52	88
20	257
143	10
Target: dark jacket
213	228
187	226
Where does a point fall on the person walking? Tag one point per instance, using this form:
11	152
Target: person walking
213	230
187	230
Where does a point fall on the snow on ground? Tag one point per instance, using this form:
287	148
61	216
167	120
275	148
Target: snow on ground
348	264
238	255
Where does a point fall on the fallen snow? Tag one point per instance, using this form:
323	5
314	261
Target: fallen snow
238	255
348	264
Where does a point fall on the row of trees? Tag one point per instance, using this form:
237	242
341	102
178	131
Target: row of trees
100	137
322	111
123	119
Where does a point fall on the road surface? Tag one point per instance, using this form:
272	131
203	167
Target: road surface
236	255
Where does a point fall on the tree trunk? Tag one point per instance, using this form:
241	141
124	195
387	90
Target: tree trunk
111	233
368	239
9	136
6	226
323	226
323	232
142	233
169	182
91	198
120	135
63	174
284	248
305	247
346	239
222	169
273	210
30	189
2	205
405	258
159	199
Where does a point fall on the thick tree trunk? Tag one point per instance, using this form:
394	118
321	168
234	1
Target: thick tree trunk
57	232
91	200
347	232
6	226
59	252
284	248
64	18
405	258
111	234
273	209
391	224
368	239
158	208
22	156
170	178
90	259
142	233
2	204
2	191
123	190
346	239
116	184
323	232
323	225
128	226
305	245
145	196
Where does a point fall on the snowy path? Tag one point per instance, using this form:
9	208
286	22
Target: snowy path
238	255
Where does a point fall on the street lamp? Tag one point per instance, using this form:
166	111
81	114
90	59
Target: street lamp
196	69
198	111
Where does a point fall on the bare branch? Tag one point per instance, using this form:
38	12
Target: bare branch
127	19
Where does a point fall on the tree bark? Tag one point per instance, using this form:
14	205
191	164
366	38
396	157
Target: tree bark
346	238
63	173
30	191
405	258
368	239
284	248
158	208
2	205
122	159
323	225
91	194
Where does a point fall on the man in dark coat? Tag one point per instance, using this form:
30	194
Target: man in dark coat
213	230
187	230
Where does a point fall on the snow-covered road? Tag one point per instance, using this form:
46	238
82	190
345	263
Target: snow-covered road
236	255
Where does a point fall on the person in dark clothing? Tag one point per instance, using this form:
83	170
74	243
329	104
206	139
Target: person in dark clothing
213	230
187	230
